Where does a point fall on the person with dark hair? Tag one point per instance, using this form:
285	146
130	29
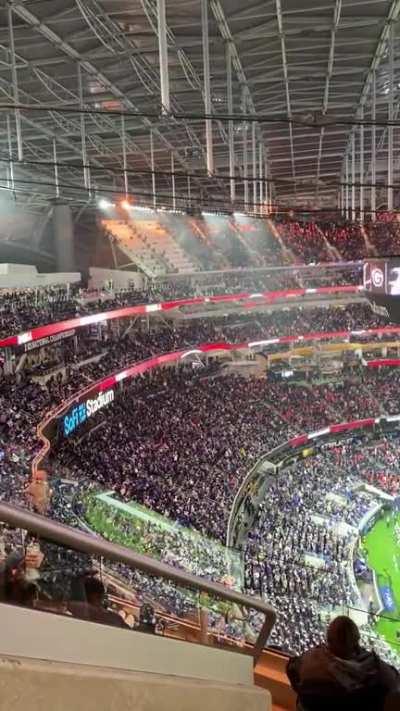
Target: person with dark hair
98	612
342	675
147	620
94	609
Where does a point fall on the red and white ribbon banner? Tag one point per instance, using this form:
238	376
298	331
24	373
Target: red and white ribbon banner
249	301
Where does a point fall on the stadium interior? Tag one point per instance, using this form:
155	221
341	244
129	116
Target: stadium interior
199	352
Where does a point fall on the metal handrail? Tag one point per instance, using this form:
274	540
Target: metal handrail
86	543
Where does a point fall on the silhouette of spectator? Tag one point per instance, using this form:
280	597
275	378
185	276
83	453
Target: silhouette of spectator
341	674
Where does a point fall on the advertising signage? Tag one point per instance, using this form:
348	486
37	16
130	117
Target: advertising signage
48	340
80	413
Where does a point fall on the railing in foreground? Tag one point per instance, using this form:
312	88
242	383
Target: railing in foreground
69	537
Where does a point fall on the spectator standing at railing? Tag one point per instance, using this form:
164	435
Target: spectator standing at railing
342	675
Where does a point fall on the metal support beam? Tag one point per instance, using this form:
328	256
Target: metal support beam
342	196
14	81
163	52
153	171
390	118
65	48
10	154
361	167
373	150
347	202
173	182
254	159
228	36
286	78
124	157
260	173
245	153
231	135
56	181
392	16
353	177
207	86
86	172
336	20
266	189
189	193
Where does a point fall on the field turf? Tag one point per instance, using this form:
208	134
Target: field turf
383	553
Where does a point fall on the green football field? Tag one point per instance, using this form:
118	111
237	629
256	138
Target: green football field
383	554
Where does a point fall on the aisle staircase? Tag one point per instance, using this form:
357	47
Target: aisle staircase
130	243
158	238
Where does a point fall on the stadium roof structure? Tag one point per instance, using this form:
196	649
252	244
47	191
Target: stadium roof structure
110	90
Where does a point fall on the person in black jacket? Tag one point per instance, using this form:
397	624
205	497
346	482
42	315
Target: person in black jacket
342	675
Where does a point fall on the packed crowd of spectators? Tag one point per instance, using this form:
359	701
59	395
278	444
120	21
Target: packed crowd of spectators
306	241
219	242
23	309
299	552
328	241
177	473
384	235
179	436
172	448
17	425
108	352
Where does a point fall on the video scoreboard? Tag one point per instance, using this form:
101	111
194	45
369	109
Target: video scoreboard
382	286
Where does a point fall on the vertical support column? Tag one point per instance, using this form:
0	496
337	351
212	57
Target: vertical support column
390	118
10	153
207	87
261	184
373	150
189	193
347	201
153	171
362	167
86	171
63	237
353	177
124	157
231	136
342	194
254	169
56	181
266	189
14	82
163	53
173	182
245	153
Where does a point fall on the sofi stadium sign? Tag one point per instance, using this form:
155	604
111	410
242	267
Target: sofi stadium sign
79	414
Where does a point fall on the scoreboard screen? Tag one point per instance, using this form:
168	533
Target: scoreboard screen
382	286
382	276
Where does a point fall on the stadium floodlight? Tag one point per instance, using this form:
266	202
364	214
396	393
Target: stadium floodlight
126	205
104	204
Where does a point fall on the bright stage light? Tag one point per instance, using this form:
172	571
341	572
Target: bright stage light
104	204
126	205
